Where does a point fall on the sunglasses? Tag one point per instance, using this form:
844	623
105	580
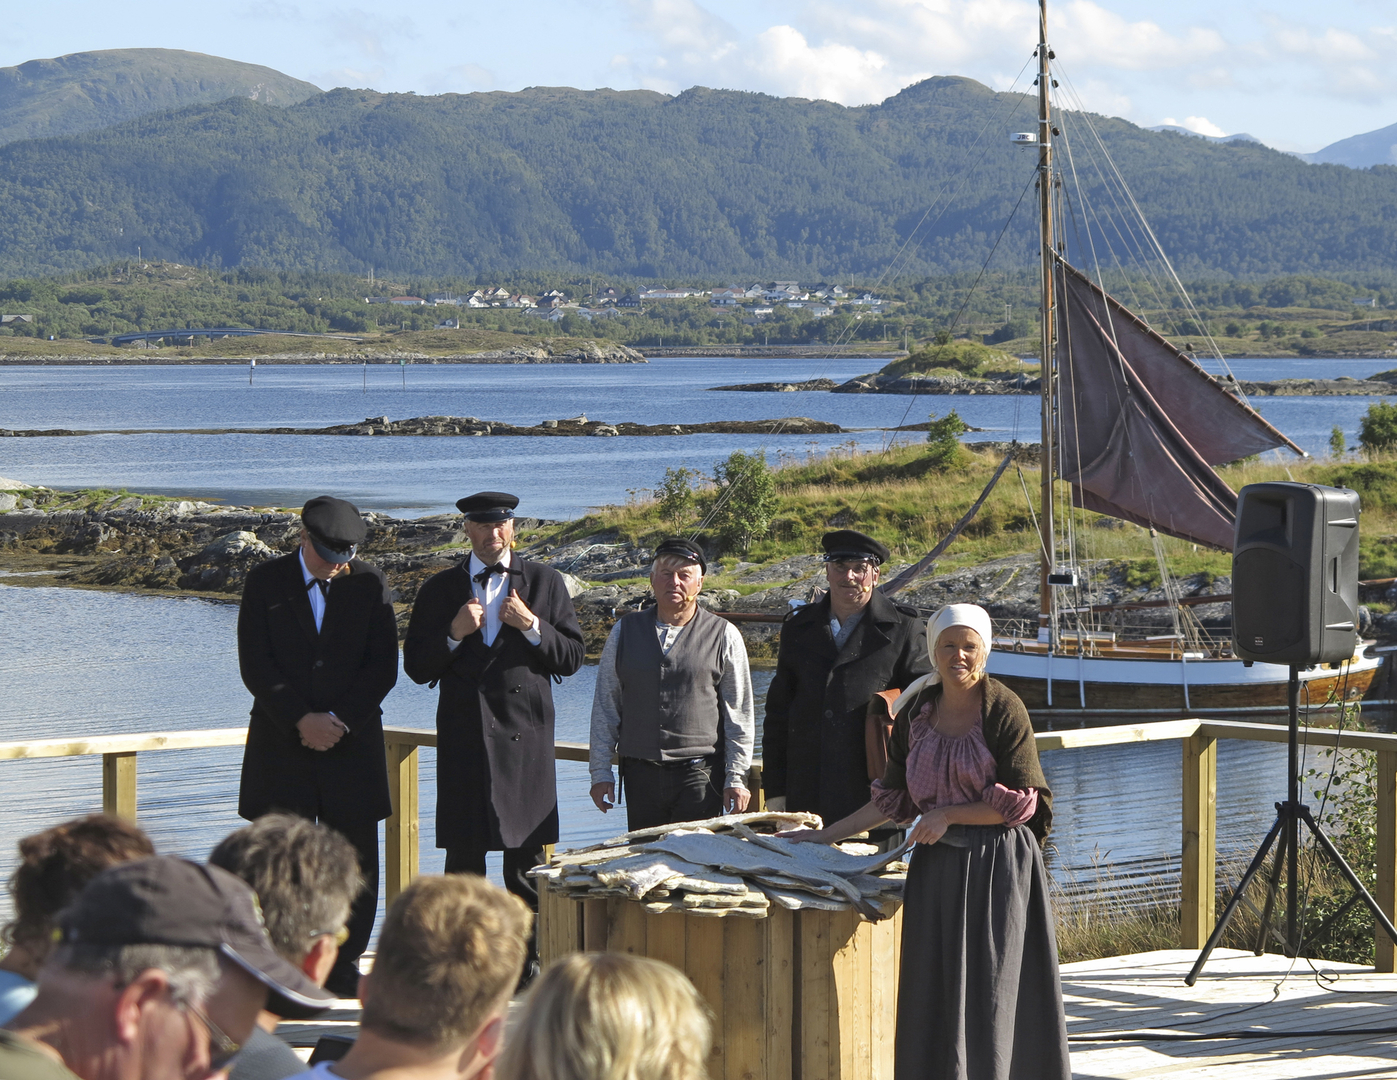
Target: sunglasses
222	1049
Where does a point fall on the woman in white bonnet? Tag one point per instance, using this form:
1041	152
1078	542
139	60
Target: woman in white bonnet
979	997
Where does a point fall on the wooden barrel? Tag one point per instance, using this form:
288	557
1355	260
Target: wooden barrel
798	995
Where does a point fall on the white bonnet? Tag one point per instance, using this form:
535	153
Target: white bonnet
969	615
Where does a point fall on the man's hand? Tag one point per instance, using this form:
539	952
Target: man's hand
735	800
320	730
514	612
604	795
468	620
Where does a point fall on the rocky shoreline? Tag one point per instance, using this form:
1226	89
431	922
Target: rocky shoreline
874	383
590	353
470	425
131	543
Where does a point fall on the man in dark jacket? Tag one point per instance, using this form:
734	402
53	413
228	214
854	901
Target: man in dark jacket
493	630
318	648
835	655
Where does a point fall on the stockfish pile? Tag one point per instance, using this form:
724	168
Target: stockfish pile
731	865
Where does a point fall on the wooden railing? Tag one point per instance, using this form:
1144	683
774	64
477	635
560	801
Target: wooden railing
1198	738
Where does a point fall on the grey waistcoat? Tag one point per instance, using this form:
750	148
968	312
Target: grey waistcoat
669	704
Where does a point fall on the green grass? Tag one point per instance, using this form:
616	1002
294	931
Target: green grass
898	497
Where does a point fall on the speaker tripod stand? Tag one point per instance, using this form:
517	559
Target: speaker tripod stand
1290	815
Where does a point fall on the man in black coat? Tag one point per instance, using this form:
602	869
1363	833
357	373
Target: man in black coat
835	655
318	649
493	630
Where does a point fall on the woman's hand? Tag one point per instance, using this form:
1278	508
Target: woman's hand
929	828
805	836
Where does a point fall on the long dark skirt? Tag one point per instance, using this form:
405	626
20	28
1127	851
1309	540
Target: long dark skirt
979	997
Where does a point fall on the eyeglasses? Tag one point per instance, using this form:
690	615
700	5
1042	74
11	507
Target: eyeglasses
341	935
854	569
222	1049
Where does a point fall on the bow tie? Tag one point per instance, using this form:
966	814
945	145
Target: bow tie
324	586
483	578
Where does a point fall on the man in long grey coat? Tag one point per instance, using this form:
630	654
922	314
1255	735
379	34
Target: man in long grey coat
493	631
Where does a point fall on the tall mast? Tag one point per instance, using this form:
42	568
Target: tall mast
1045	222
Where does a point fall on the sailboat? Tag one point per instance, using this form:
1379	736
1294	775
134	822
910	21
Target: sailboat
1133	427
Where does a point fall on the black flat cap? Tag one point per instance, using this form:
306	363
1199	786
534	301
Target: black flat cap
335	528
168	901
847	544
680	548
488	506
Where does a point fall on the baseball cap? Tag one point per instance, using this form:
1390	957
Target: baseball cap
164	900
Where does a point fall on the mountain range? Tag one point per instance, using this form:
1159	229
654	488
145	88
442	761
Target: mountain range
706	183
90	90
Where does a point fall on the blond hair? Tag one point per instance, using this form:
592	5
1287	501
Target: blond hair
609	1016
451	951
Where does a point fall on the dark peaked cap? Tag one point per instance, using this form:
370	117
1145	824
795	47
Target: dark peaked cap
682	549
168	901
488	506
848	544
335	528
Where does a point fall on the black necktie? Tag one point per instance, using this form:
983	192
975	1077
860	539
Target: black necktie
324	587
482	579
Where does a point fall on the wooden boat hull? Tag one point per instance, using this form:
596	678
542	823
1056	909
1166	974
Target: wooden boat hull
1169	686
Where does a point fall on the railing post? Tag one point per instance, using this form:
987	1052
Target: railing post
754	785
1198	872
119	785
401	831
1384	954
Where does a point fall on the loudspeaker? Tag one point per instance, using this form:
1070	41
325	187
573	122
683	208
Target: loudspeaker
1295	574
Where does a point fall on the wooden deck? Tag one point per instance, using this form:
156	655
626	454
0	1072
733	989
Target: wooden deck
1237	992
1126	993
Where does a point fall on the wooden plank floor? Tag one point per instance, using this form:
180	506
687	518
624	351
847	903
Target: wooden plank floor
1236	992
1125	994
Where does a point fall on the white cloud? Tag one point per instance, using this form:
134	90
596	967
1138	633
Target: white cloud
1199	125
1340	63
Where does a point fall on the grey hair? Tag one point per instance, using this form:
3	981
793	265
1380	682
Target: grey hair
305	875
193	971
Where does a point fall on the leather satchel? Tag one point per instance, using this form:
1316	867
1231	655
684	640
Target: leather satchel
877	730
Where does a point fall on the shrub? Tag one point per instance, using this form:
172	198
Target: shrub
1336	442
943	440
1377	430
676	495
746	495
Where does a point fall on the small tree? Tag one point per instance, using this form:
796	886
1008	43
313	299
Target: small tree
676	492
943	439
1336	442
1377	430
747	497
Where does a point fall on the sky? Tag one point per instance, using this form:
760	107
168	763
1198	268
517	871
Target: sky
1297	75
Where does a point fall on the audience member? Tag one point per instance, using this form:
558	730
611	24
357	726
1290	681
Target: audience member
54	865
305	876
158	973
449	955
609	1016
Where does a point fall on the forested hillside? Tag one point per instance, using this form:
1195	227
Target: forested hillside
89	90
708	183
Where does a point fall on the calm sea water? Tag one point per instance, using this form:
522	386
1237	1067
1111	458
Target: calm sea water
415	476
75	662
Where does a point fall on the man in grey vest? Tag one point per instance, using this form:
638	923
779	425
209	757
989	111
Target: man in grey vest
674	698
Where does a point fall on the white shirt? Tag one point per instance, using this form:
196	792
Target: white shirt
314	594
491	595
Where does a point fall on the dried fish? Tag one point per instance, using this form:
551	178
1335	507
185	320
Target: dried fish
823	856
715	900
795	901
738	856
780	822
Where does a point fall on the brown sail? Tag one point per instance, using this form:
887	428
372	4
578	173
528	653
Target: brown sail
1140	424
